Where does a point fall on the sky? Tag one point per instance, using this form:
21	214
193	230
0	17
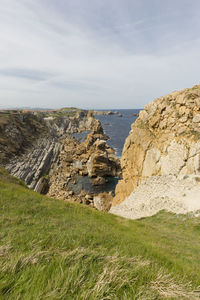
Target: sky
99	54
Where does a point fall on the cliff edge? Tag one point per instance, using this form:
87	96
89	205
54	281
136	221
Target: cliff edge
162	149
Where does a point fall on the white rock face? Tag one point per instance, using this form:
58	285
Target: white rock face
151	163
178	158
175	159
98	203
179	195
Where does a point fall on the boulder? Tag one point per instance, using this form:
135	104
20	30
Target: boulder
42	186
99	164
99	181
103	201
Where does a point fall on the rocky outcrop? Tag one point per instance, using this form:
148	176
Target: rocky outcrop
164	141
60	125
40	149
36	164
101	162
18	132
30	144
107	113
103	201
93	158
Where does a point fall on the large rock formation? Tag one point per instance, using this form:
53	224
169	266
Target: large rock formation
30	143
164	141
36	163
18	132
102	161
40	149
92	158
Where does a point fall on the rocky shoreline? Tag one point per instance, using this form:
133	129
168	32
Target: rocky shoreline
162	149
107	113
92	158
52	160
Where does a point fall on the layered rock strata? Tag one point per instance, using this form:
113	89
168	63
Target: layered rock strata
164	141
41	150
34	164
18	132
30	144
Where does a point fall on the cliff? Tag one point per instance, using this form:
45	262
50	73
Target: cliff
40	149
30	143
164	141
18	132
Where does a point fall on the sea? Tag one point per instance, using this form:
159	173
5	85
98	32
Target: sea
117	128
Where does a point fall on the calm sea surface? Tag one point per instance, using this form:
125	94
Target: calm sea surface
117	128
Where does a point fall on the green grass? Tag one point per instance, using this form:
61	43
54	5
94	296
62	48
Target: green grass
4	119
70	109
6	178
64	112
50	249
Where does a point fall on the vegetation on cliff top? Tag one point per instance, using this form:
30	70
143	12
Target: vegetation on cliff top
50	249
63	112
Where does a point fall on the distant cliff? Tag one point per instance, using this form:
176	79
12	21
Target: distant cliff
164	141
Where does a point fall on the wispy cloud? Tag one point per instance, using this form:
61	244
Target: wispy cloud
96	53
25	73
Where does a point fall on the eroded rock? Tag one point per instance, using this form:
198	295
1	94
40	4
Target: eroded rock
33	144
164	140
93	157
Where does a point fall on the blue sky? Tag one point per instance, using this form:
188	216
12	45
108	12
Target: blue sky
96	53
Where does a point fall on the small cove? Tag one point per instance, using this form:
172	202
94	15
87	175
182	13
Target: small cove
85	183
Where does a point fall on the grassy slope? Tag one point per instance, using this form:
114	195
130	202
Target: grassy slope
50	249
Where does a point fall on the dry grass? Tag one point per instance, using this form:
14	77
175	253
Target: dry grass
115	273
4	250
167	287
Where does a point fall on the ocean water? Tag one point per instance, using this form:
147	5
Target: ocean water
117	128
85	183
